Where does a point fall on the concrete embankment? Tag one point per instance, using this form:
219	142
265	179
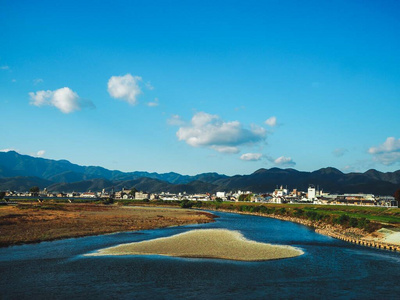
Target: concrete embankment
351	235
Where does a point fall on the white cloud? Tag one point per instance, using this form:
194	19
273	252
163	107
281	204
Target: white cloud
154	103
387	153
339	152
65	99
390	145
208	130
125	88
40	153
271	121
251	156
149	86
284	161
175	120
226	149
8	150
4	68
41	98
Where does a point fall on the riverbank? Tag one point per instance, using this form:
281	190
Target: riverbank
33	223
205	243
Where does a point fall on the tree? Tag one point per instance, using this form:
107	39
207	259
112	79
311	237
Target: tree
186	204
397	196
343	219
133	191
2	194
245	197
34	189
108	201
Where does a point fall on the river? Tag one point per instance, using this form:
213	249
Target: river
329	268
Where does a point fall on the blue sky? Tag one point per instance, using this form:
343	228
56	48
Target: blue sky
202	86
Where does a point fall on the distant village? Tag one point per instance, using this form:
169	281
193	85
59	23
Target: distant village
280	195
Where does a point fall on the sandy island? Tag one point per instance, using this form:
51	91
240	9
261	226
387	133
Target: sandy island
206	243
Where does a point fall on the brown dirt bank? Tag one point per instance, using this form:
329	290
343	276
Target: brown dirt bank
28	223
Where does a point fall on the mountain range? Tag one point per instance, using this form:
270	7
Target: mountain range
20	172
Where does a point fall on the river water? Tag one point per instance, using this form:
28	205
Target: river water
329	268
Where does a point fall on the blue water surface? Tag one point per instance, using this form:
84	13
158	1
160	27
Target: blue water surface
329	268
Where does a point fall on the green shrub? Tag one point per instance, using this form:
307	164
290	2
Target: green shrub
298	212
186	204
353	222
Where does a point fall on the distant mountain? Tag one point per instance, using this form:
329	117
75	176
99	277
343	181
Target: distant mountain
329	179
22	184
81	186
15	164
20	172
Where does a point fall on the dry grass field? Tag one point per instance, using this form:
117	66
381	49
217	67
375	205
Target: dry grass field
31	223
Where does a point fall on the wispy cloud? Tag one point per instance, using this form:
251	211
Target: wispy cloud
125	88
65	99
251	156
175	120
272	121
387	153
8	150
149	86
225	149
40	153
4	68
153	103
284	161
206	130
37	81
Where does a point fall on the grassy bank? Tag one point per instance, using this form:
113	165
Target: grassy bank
366	218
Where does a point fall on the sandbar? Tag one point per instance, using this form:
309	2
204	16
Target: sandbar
205	243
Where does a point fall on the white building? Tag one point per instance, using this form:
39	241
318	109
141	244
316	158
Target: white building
311	194
281	192
220	195
141	196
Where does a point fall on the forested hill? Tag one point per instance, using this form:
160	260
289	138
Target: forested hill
20	172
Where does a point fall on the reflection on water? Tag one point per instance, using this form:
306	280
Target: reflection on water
328	269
